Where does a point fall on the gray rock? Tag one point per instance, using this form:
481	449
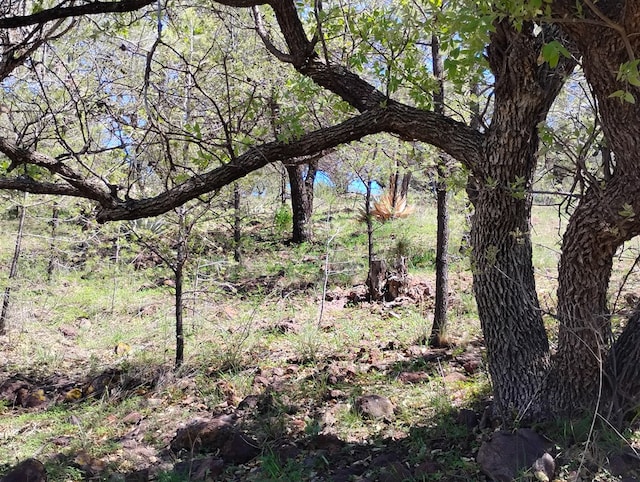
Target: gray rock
545	466
507	454
624	462
240	449
374	406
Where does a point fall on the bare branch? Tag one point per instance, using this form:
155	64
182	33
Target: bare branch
266	39
56	13
90	188
27	184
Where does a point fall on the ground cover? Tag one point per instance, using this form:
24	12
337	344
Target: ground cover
276	364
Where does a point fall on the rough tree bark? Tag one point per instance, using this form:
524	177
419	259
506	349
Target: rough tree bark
178	271
438	335
603	221
55	212
301	180
237	225
504	285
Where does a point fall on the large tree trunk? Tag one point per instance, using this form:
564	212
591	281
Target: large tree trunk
301	179
622	374
504	285
606	217
598	227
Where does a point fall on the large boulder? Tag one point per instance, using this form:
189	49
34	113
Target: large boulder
508	454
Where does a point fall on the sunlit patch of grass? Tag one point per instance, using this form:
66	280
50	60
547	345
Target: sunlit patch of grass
231	321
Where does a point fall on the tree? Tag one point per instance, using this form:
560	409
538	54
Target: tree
301	180
438	335
531	49
13	270
605	217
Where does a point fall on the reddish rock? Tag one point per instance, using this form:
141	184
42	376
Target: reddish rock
68	331
204	434
30	470
413	377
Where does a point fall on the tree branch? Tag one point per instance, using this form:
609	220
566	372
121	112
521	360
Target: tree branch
27	184
90	188
266	40
454	137
91	8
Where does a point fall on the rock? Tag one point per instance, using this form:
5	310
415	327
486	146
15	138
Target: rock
394	472
204	434
68	331
240	448
426	468
137	476
326	442
624	462
413	377
287	452
507	454
249	402
468	418
335	394
30	470
374	406
286	326
347	474
544	468
132	419
454	377
207	468
30	398
470	361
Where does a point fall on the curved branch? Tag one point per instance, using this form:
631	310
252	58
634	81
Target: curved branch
90	188
453	137
266	39
27	184
252	160
56	13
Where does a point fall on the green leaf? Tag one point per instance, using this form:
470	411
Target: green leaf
551	53
627	211
624	96
628	72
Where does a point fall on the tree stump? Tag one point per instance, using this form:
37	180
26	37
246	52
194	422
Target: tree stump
377	280
397	283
